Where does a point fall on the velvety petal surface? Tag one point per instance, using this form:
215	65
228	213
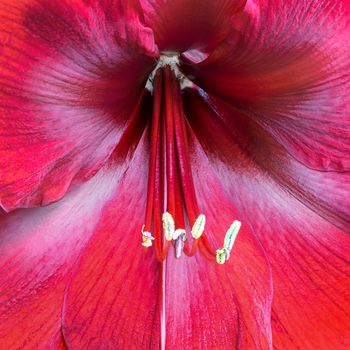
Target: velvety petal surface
325	192
38	250
181	25
287	66
112	301
211	306
301	218
71	74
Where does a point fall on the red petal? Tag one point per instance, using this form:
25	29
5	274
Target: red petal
112	300
180	25
38	249
230	136
70	76
210	306
288	69
310	266
308	255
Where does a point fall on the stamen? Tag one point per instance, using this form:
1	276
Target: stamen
180	232
171	195
168	226
147	238
223	254
231	234
198	227
179	237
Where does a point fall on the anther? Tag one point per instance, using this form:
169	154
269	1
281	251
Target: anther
231	234
198	227
168	226
223	254
147	238
179	238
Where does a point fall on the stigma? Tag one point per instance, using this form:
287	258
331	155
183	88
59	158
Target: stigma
173	220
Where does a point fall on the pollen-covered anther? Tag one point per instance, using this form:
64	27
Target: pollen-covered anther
223	254
168	226
198	226
147	238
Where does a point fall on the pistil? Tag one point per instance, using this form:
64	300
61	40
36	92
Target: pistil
171	196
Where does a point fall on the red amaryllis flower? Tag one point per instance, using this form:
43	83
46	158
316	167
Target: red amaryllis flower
120	117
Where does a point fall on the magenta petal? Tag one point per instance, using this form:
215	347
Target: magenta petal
71	74
290	73
38	249
308	254
246	146
180	25
210	306
112	301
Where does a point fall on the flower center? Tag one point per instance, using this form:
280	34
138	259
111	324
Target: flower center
171	197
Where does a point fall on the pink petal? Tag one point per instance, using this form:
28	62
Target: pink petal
180	25
210	306
308	253
287	67
38	249
112	301
71	74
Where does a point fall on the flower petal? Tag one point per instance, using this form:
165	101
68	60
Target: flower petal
246	146
309	256
71	74
310	266
180	25
112	300
210	306
38	249
287	67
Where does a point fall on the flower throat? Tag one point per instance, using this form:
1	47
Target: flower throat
171	197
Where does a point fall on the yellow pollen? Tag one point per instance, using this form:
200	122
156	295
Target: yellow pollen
223	254
198	227
168	226
147	238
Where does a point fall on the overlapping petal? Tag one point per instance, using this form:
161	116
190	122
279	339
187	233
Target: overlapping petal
181	25
287	67
71	74
112	301
307	247
38	250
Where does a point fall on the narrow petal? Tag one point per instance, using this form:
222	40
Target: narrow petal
71	74
112	301
38	250
211	306
307	252
287	67
180	25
